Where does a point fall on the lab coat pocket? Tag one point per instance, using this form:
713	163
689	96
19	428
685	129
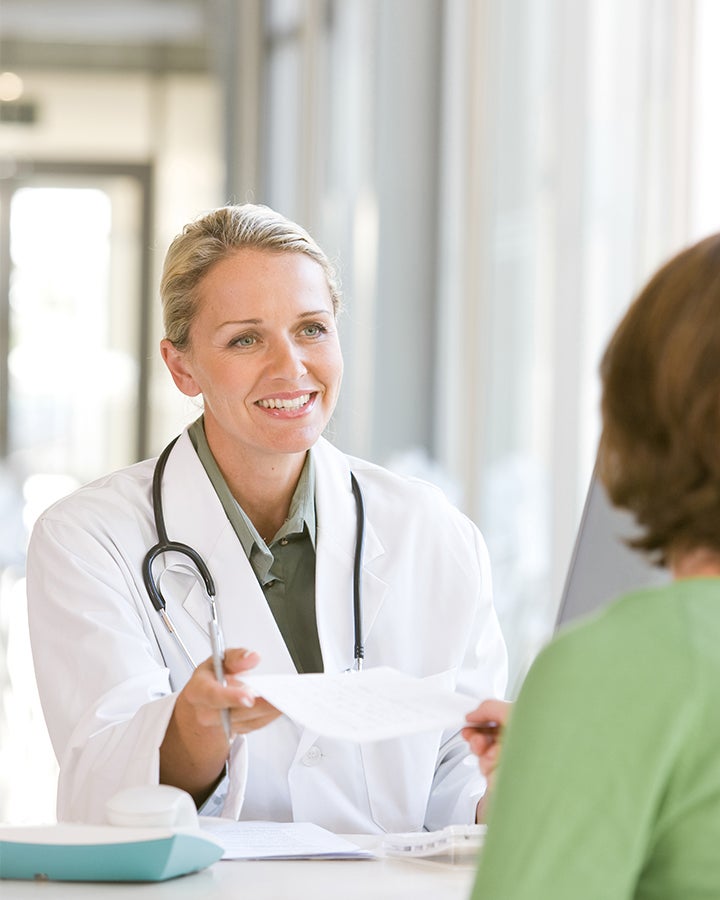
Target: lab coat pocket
400	772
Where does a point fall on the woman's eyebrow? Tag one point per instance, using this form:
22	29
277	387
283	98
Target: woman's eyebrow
315	312
310	314
241	322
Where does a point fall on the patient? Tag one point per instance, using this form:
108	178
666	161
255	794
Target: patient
609	780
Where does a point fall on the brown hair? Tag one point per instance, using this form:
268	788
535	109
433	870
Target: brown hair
660	446
215	236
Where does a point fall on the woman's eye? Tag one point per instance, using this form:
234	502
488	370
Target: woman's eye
314	330
246	340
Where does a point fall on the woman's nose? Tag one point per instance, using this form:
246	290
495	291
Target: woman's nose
288	361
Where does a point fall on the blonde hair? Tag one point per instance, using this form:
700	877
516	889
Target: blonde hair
213	237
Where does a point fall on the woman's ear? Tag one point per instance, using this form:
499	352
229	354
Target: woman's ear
176	361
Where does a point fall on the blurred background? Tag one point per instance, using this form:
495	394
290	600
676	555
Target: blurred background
494	178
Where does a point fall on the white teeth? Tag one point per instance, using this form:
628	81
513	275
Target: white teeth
295	403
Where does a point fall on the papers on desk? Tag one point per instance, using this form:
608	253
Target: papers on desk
371	705
279	840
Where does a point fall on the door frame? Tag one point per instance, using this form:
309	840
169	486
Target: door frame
142	174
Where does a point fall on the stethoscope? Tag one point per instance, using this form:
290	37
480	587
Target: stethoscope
164	545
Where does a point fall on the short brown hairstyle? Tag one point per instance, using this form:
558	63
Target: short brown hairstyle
659	451
215	236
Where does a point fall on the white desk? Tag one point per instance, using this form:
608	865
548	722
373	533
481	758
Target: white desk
362	879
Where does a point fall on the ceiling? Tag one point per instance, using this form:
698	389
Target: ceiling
155	35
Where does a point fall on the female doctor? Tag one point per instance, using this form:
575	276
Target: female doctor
269	506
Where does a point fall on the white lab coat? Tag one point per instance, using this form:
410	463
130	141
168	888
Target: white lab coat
108	671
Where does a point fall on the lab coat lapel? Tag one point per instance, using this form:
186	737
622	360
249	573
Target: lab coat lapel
194	515
336	534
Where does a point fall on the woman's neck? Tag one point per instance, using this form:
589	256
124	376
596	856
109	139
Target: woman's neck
265	498
263	484
698	563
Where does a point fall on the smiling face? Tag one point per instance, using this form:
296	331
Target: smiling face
265	355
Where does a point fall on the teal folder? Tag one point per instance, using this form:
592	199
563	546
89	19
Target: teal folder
103	853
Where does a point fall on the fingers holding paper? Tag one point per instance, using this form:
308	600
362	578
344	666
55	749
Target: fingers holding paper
483	731
203	699
195	748
248	712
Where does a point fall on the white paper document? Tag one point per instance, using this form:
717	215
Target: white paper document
279	840
371	705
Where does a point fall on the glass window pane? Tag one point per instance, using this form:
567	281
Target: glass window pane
68	372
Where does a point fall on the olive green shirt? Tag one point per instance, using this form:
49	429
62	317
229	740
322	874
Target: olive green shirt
284	568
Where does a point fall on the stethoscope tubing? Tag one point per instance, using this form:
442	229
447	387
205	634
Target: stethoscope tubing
359	645
164	545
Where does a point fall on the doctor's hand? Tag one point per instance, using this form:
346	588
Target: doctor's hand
195	748
483	734
251	712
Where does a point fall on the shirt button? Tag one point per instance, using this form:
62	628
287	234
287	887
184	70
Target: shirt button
284	542
312	757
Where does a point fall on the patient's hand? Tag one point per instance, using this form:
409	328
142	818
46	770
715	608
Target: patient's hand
483	734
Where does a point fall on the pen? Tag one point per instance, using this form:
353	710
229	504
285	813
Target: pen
491	729
218	655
